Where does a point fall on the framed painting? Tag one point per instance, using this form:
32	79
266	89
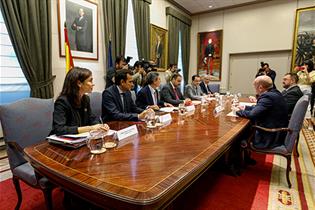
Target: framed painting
304	37
209	54
81	19
158	46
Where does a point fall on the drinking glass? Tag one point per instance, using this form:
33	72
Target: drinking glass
110	140
95	142
181	109
150	120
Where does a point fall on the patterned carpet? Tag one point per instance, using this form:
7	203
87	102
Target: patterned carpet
302	193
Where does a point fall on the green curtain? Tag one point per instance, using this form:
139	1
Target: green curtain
29	27
179	23
185	33
115	19
141	11
173	37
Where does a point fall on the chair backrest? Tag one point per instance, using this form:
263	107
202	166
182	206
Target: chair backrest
296	122
96	103
25	122
215	88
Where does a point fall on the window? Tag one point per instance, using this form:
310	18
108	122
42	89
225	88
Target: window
131	42
13	85
180	62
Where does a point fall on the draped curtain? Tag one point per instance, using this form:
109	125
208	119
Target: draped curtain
141	11
29	26
115	19
179	23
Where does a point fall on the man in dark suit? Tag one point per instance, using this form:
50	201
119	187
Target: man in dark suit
292	92
148	96
80	25
204	85
271	111
171	93
117	103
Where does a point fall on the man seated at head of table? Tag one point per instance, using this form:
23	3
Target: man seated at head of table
117	103
193	90
72	111
271	111
148	96
171	93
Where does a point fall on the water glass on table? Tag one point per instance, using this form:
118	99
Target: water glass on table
95	141
181	109
150	120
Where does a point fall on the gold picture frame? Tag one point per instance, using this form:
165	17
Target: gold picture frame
209	55
304	37
158	46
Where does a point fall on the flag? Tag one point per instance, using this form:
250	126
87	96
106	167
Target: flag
69	60
110	58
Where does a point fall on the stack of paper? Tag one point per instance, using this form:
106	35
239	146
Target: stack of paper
69	140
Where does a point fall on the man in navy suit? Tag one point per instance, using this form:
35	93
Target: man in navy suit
117	103
271	111
171	93
148	96
204	85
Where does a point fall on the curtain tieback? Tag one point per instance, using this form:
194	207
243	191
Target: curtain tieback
44	83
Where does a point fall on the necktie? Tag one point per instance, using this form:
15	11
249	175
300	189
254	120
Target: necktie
176	95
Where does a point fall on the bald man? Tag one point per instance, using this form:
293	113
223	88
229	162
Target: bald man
271	111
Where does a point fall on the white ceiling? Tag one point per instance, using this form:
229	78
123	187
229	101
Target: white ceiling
197	6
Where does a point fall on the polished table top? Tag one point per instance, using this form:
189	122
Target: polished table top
146	169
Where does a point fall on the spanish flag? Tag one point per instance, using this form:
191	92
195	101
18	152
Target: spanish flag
69	60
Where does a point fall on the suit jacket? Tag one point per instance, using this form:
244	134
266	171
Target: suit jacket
112	107
193	93
67	119
205	88
168	95
144	98
271	111
292	95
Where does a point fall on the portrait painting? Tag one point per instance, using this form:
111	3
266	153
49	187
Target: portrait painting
304	37
158	46
81	19
209	48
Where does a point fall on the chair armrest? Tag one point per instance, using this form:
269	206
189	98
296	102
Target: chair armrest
15	145
271	130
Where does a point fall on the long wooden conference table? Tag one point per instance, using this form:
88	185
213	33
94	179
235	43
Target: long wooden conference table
146	171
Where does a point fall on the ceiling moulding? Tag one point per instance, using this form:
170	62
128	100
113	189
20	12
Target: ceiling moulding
229	7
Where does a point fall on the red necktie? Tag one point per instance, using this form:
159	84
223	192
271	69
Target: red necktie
176	95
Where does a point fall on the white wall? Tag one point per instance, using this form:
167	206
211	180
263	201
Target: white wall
260	27
58	63
157	13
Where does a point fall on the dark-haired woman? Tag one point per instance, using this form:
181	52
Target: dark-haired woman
72	113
